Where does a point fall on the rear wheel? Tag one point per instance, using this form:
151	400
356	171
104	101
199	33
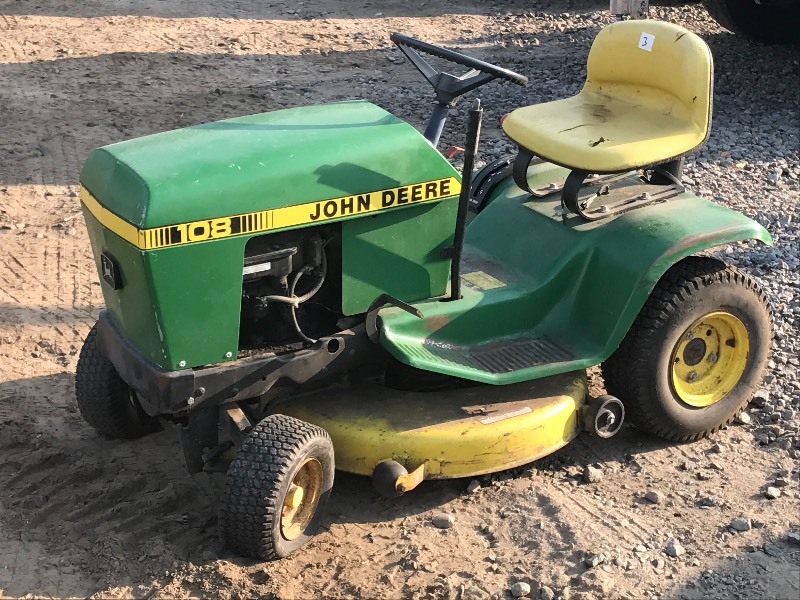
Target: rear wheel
277	488
105	401
768	21
695	354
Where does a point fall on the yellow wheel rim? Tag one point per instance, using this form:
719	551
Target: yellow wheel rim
709	359
301	499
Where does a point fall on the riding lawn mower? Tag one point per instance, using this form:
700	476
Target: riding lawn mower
318	288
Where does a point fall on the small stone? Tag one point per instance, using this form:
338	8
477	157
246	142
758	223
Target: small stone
71	231
743	418
658	563
741	524
546	593
654	497
708	501
474	593
443	520
520	589
772	550
793	537
473	486
780	482
772	493
592	474
640	549
594	560
673	548
760	398
717	449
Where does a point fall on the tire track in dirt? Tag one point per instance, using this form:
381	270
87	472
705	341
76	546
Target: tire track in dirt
8	22
139	502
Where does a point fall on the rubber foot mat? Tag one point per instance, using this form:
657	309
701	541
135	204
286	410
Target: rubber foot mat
494	357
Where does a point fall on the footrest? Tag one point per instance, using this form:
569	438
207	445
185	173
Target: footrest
495	357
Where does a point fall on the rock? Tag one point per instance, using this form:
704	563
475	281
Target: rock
546	593
594	560
443	520
654	497
520	589
658	563
760	398
743	418
673	548
592	474
772	493
640	549
741	524
474	593
793	537
708	501
473	486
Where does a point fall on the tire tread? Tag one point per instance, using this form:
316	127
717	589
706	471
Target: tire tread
626	377
249	507
102	396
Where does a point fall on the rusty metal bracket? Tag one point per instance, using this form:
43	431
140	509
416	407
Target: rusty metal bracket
406	483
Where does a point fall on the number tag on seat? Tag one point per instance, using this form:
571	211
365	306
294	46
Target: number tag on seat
646	41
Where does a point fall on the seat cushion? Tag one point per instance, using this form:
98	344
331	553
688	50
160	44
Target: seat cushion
603	133
646	100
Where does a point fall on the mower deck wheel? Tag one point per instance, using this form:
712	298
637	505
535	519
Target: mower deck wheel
604	416
276	488
105	401
696	352
385	476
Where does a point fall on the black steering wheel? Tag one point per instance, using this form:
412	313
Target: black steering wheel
448	87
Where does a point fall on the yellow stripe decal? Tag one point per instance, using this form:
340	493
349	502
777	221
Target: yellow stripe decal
265	220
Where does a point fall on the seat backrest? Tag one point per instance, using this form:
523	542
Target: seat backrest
654	55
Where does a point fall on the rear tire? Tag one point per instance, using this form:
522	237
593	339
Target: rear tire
776	24
696	352
105	401
277	488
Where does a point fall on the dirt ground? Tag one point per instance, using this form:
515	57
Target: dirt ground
81	515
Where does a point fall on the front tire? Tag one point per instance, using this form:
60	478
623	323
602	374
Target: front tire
277	488
696	352
105	401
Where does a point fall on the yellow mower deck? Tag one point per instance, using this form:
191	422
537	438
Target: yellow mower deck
452	433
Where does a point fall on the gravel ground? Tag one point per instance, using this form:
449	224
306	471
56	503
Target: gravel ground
632	518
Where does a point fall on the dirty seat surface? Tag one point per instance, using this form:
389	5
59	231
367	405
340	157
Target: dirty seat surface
646	100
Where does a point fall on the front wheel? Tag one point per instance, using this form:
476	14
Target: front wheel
696	352
277	488
105	401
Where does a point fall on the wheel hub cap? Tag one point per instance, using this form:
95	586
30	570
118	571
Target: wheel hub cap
709	359
301	499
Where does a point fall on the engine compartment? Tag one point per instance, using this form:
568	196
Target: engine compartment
291	289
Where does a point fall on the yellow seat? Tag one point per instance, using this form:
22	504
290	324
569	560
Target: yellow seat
638	106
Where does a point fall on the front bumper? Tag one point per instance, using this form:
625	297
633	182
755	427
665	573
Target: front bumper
169	392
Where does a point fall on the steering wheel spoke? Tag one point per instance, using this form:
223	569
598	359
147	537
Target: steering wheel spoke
449	87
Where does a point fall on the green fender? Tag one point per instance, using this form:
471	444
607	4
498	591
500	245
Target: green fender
544	296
